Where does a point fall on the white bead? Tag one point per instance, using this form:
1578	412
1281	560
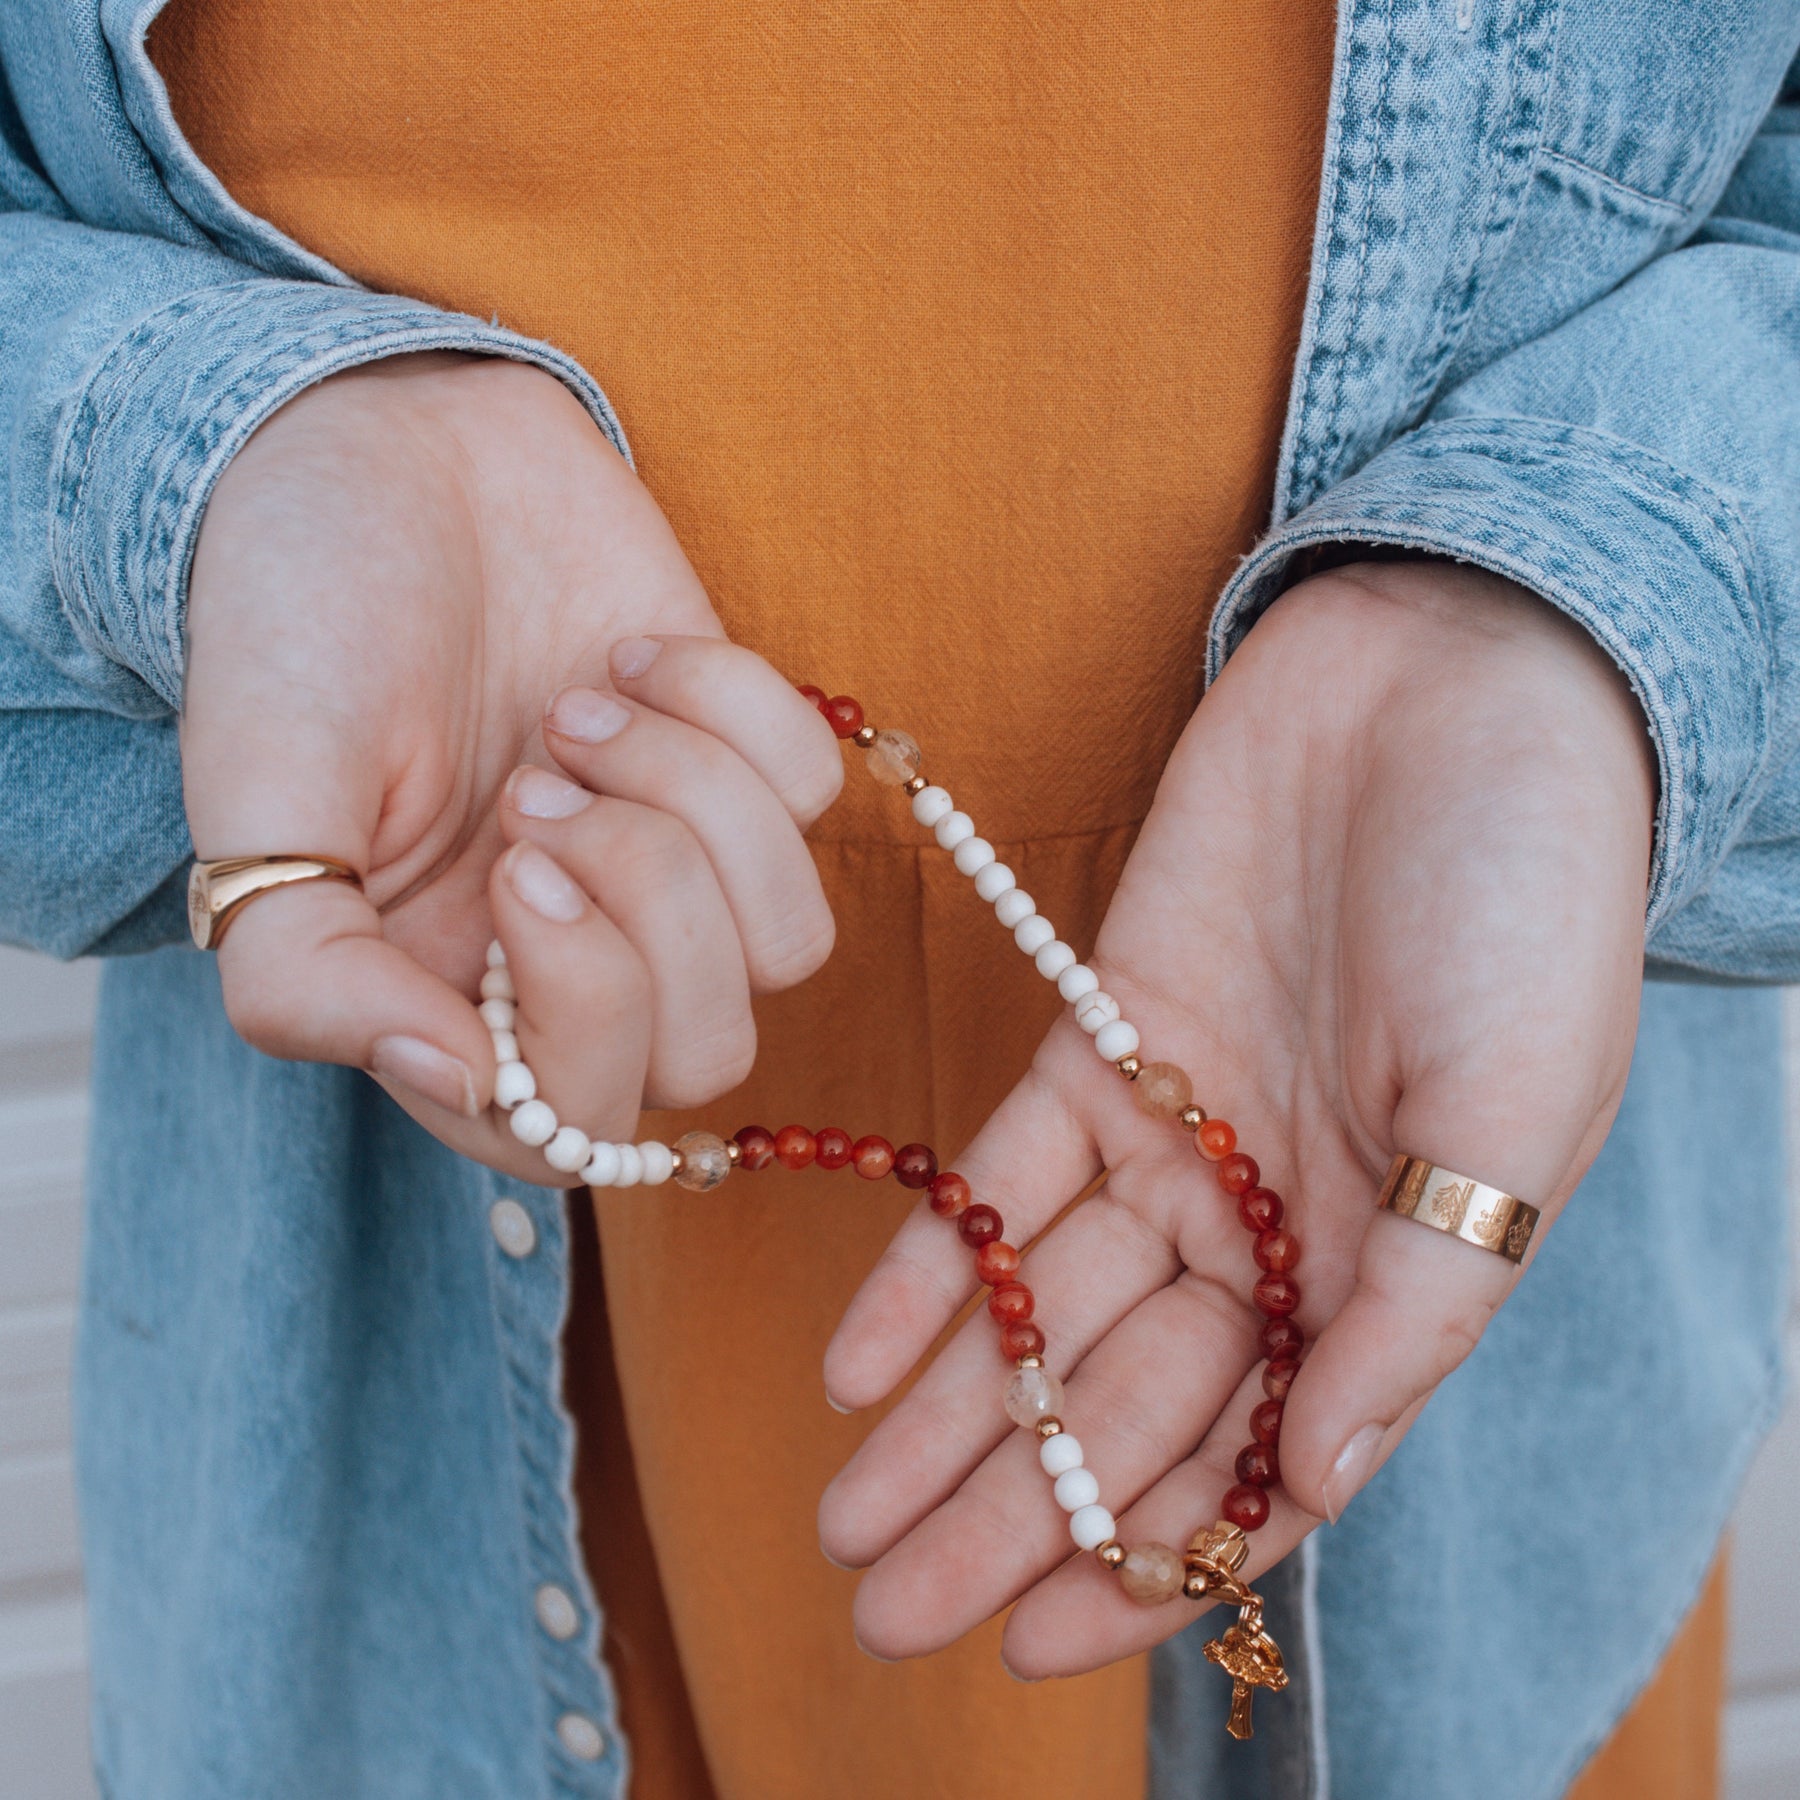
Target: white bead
1060	1454
931	804
496	956
1118	1039
1077	981
659	1162
1099	1008
973	855
602	1166
506	1047
1076	1488
497	984
1012	906
497	1015
953	829
631	1167
568	1150
1032	934
533	1123
993	881
1091	1527
514	1084
1053	958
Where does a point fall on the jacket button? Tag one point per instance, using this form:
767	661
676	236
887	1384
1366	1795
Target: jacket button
580	1736
512	1228
556	1612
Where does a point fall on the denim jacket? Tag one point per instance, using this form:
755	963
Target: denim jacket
1552	328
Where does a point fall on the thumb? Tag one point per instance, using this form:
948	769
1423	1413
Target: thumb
1421	1300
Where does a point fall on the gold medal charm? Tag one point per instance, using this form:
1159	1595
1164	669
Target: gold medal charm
1246	1652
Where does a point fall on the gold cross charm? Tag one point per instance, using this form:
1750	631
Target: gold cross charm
1250	1657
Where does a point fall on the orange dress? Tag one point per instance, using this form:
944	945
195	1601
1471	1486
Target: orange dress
955	341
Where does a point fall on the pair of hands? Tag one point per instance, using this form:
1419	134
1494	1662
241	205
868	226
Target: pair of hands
1390	895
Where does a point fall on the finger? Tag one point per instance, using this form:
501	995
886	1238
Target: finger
648	874
1029	1160
733	694
618	747
1136	1406
1080	1616
1085	1277
307	975
582	1017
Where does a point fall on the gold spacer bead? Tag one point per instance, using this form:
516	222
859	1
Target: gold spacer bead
678	1164
735	1151
1193	1117
865	735
1196	1584
1130	1067
1050	1426
1111	1553
916	786
1030	1360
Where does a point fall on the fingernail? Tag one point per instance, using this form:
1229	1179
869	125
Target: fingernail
1351	1469
542	885
431	1073
1022	1680
632	656
874	1656
835	1407
538	794
834	1561
587	715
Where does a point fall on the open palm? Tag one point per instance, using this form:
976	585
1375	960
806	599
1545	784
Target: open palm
1390	896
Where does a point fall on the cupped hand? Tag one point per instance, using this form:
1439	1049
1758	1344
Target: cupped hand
1390	897
395	578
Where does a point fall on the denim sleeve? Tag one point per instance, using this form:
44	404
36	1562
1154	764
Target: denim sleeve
1639	467
132	368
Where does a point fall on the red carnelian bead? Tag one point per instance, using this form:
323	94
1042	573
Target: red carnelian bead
950	1195
1277	1251
1259	1208
757	1147
1282	1337
795	1146
1246	1507
1237	1173
1276	1295
815	694
1278	1376
996	1262
1265	1421
1215	1139
832	1147
979	1225
1021	1338
914	1165
873	1156
1259	1465
1012	1302
844	714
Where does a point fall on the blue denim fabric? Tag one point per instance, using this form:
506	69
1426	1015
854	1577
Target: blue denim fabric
1553	327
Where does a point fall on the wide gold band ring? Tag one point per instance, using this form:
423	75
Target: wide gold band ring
219	890
1466	1208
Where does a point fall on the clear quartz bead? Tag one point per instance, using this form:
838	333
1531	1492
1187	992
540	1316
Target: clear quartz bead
705	1161
894	758
1032	1394
1162	1089
1151	1573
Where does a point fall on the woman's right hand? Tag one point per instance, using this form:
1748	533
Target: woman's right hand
395	577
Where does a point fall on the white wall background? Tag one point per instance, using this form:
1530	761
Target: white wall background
45	1012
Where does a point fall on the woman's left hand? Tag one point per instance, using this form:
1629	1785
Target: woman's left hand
1390	897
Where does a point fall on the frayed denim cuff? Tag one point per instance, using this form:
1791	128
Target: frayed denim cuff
1653	564
171	401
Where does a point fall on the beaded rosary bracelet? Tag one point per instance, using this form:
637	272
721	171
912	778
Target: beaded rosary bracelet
699	1161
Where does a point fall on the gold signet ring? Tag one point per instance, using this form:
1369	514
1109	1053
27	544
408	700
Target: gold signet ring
218	891
1460	1205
